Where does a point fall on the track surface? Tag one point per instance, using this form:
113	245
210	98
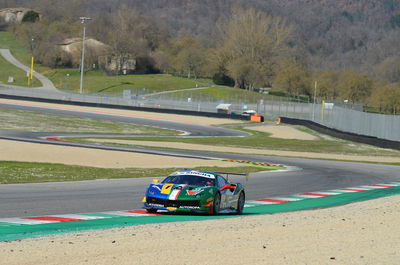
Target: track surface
105	195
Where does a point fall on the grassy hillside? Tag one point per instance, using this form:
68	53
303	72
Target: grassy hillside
228	94
95	81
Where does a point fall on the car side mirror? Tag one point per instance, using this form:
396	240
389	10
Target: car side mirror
232	187
156	181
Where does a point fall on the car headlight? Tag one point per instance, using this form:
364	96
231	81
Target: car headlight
151	191
199	195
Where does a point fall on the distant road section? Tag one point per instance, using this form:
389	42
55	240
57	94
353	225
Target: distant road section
46	83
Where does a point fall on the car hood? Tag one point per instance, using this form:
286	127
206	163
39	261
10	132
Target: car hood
174	191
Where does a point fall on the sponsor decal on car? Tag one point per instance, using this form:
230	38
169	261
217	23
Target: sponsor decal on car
194	173
189	207
156	205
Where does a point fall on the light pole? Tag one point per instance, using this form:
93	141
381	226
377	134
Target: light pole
83	21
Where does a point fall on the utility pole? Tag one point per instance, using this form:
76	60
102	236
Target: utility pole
83	21
30	73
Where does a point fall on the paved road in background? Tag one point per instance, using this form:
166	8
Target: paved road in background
120	194
46	83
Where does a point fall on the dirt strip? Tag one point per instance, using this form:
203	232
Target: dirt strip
381	159
359	233
284	132
46	153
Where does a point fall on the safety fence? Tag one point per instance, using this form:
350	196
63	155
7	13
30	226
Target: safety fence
342	118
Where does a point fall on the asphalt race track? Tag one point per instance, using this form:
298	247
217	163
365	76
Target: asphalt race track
104	195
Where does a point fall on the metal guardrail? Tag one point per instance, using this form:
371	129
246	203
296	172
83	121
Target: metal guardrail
340	118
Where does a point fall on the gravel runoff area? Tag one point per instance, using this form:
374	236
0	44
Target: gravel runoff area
47	153
343	157
284	132
359	233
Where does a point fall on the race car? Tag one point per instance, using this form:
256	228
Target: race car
195	191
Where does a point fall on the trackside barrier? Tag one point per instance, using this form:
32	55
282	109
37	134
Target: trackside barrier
343	135
126	107
257	118
374	129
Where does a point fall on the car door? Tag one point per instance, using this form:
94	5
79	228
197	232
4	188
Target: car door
226	194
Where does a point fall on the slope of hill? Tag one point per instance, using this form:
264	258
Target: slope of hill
359	34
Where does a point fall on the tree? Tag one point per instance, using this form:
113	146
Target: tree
132	37
253	41
389	69
124	37
186	55
387	99
293	78
354	87
327	84
161	60
191	59
42	39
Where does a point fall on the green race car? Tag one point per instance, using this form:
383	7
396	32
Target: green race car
195	191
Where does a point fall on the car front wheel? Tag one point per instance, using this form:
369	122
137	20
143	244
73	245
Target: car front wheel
240	203
217	204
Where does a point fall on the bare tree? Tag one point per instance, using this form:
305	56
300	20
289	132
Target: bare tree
294	78
131	36
253	41
387	99
327	84
185	55
354	86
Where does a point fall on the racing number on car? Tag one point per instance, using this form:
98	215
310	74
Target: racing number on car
166	189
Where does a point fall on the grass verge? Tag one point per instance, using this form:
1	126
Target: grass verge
28	172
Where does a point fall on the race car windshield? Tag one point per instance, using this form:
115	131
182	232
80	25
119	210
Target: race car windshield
189	180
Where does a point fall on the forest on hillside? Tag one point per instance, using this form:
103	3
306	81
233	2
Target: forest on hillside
340	44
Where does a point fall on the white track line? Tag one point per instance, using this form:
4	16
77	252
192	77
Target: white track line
23	221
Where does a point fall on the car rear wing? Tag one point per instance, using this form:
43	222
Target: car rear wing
227	174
